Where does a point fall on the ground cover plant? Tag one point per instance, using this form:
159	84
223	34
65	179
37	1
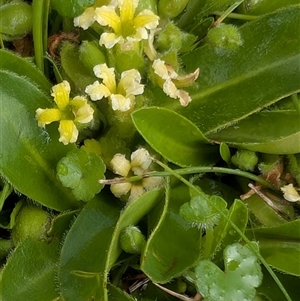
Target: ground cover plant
149	150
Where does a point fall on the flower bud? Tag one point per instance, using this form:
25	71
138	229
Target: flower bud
31	222
91	55
15	19
171	8
224	36
132	240
245	159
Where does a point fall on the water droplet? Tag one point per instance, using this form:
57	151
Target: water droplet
232	232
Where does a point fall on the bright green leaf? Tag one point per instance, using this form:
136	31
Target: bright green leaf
178	140
164	256
280	246
81	171
35	176
281	134
242	275
35	280
234	84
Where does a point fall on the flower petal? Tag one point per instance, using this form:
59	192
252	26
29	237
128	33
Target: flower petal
120	189
170	89
130	82
120	165
97	91
68	132
61	93
152	182
121	103
127	10
109	40
82	110
136	191
46	116
108	76
86	19
146	19
184	98
106	16
140	161
290	193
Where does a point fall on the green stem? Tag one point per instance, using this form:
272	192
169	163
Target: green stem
296	102
209	237
206	169
227	12
258	255
237	16
39	30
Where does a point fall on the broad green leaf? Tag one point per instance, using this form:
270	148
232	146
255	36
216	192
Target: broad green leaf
280	135
174	137
238	282
29	273
280	246
81	172
234	84
71	8
5	247
224	234
174	245
92	245
116	294
14	63
28	154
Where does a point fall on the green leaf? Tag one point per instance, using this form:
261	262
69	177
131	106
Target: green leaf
33	172
242	275
116	294
30	272
92	245
281	133
203	211
164	256
224	234
81	171
225	152
24	68
280	246
234	84
178	140
71	8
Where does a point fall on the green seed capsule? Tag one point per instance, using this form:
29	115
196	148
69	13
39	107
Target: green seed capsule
245	159
132	240
15	19
31	222
171	8
224	36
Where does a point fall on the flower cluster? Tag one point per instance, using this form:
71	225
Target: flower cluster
120	17
70	113
139	164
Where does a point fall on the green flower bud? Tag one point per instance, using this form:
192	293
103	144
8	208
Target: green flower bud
31	222
91	55
15	19
132	240
224	36
171	8
245	159
169	38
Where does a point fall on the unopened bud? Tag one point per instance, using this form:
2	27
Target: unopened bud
171	8
245	159
132	240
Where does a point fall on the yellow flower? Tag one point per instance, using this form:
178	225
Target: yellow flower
121	95
69	113
126	25
139	164
171	81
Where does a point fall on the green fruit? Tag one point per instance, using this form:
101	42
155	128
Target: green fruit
132	240
171	8
245	159
224	36
15	19
31	222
